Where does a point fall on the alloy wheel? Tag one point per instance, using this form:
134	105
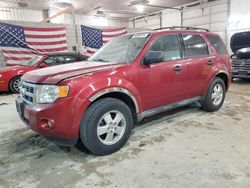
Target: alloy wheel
217	94
16	85
111	127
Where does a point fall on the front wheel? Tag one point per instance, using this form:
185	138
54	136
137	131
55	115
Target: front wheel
215	96
15	84
106	126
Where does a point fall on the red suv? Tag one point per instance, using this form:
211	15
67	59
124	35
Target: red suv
132	77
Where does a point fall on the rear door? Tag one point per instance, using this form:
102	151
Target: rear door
164	82
199	62
221	50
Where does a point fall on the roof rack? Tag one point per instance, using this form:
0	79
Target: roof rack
182	27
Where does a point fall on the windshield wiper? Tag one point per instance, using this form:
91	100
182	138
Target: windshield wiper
101	60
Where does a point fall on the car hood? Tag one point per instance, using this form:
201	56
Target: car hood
240	41
55	74
19	69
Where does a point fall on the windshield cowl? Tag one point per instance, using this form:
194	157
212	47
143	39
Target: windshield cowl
98	60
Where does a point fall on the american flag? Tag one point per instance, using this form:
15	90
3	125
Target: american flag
19	44
93	38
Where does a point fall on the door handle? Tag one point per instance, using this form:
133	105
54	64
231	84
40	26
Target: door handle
177	67
210	62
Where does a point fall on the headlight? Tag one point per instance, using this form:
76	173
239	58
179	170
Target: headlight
49	93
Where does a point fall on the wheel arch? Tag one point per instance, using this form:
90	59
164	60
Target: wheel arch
224	76
16	76
218	73
119	93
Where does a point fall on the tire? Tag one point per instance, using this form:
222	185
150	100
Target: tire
98	131
218	89
14	84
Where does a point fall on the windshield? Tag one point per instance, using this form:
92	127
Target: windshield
122	49
33	61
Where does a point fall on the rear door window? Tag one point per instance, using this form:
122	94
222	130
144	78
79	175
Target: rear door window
49	61
69	59
217	44
60	60
194	45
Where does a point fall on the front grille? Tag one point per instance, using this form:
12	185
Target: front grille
27	92
242	64
28	88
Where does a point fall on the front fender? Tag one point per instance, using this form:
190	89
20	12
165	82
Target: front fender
108	85
91	90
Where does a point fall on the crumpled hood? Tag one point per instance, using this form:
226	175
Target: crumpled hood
55	74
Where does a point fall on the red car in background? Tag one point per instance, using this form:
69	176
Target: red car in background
11	74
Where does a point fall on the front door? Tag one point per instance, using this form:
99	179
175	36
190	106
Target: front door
164	82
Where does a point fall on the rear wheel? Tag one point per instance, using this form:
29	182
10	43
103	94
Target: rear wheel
15	84
215	96
106	126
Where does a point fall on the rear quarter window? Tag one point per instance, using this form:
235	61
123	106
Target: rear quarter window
217	44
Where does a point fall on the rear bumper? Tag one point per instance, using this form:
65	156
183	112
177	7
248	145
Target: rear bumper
59	121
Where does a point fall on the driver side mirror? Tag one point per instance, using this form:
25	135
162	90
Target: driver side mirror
153	57
42	65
